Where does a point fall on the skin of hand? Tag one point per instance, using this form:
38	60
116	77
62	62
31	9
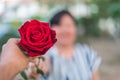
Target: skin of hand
43	65
12	60
96	75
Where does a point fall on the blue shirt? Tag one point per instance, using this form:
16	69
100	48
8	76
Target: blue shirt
80	67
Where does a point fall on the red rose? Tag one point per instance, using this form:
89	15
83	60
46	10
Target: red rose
36	37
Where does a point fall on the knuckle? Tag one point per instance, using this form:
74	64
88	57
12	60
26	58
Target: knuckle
11	40
3	46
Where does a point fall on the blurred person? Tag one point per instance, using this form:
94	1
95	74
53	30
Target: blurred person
12	60
68	60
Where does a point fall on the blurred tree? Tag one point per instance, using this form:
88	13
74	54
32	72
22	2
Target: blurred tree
91	27
15	24
110	8
107	8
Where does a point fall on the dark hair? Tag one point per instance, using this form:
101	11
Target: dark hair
55	20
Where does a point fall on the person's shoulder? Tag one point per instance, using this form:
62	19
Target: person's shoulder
86	49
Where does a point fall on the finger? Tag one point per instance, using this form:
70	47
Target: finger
13	40
3	46
32	59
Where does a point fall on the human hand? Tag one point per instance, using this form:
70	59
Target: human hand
43	65
13	57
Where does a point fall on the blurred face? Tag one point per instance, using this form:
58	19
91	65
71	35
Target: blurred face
66	31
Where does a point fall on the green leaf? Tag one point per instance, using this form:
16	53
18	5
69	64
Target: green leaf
23	74
41	57
39	71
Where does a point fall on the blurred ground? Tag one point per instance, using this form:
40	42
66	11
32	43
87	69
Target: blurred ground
109	50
